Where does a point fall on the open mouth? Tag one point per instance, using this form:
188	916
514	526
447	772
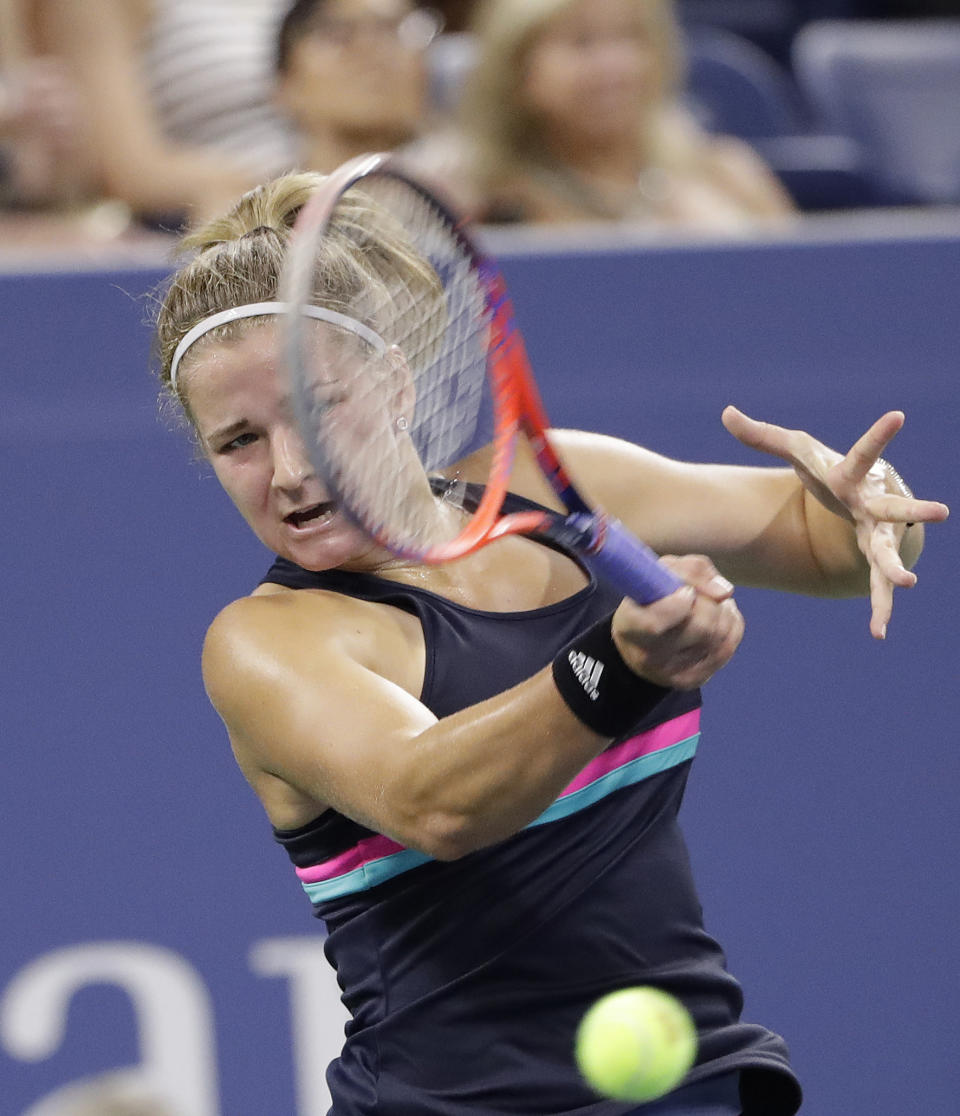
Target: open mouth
315	514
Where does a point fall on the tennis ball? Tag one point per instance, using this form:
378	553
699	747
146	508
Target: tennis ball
636	1044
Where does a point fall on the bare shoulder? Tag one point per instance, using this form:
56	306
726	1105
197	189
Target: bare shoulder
253	617
277	667
244	640
259	644
254	637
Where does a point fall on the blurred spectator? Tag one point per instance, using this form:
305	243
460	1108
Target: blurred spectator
457	14
40	119
352	76
178	94
573	113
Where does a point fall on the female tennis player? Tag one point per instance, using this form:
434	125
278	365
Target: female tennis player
476	768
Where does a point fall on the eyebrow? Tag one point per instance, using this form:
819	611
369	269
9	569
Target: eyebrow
232	429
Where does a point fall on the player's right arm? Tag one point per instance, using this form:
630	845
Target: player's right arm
312	690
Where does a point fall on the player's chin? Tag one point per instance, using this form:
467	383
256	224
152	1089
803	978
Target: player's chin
322	547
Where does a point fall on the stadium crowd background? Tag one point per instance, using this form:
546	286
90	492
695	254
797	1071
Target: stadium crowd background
122	118
147	913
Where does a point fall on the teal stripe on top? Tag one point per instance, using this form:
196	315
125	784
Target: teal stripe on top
367	875
633	772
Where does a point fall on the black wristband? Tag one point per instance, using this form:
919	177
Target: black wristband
599	687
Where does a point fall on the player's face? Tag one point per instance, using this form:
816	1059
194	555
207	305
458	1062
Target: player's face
359	71
237	397
591	70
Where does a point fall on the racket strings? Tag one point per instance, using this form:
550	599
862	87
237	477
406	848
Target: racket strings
378	425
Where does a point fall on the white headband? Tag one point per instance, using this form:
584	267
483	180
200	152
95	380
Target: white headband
255	309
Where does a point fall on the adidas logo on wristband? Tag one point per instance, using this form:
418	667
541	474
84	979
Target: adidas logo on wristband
625	698
587	672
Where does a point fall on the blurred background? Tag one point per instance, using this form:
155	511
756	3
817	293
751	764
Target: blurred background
748	201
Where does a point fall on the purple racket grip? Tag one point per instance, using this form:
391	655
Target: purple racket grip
624	561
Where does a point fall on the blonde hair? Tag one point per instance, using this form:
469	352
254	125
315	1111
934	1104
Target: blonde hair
376	277
504	136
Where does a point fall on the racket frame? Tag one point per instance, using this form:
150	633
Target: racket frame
517	407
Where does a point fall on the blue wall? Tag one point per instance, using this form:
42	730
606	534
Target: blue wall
144	902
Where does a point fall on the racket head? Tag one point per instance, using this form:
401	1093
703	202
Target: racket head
411	366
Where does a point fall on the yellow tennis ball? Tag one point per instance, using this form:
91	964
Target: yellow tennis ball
636	1044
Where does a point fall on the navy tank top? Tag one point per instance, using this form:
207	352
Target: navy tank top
465	980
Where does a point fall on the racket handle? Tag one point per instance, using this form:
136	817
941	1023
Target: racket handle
629	564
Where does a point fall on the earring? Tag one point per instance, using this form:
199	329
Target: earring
402	423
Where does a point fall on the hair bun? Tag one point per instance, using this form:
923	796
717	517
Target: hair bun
257	231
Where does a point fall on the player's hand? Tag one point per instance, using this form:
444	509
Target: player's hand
685	638
855	486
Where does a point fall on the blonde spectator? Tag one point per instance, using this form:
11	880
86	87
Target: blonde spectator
178	96
352	76
573	113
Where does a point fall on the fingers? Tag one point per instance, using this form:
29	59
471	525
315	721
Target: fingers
891	508
884	555
852	488
863	454
686	655
880	545
683	639
781	442
762	436
922	511
698	571
881	602
701	578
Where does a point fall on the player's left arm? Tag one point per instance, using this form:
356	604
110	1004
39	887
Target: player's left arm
829	525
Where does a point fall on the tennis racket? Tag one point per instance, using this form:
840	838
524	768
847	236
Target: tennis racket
416	363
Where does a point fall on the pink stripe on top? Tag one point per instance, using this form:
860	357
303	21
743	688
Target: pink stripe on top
370	848
656	739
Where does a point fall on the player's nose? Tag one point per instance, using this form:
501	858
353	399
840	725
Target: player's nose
291	466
